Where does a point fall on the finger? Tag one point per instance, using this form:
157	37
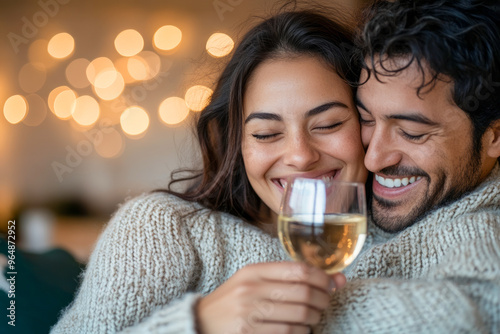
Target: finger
274	328
339	280
299	314
296	272
287	292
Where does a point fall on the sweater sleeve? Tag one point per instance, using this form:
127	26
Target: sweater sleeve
139	274
459	294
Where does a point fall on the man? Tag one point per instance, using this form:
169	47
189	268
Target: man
429	104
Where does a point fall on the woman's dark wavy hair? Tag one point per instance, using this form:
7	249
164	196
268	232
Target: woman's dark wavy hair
456	38
222	183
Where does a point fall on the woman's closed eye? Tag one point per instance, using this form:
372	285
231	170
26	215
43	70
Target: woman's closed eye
264	136
328	127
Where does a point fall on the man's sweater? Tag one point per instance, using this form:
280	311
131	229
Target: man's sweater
159	254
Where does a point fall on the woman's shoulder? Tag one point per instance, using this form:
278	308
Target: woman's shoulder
159	201
153	208
164	211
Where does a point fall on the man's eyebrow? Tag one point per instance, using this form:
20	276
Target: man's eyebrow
312	112
412	117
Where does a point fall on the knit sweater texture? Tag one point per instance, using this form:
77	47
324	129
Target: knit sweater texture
159	254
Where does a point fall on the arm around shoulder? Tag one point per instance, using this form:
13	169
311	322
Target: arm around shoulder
459	293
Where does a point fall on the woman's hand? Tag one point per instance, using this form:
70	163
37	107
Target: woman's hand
279	297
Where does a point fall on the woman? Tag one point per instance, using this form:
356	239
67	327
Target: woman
204	261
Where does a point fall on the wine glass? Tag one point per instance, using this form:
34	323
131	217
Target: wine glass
323	222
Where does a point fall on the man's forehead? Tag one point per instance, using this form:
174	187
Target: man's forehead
417	76
399	94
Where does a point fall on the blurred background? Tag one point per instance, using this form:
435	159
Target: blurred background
98	99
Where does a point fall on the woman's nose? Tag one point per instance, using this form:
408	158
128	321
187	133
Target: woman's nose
301	153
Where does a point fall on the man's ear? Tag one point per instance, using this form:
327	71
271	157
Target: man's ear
492	140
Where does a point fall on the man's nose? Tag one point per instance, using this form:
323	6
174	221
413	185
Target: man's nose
382	151
301	152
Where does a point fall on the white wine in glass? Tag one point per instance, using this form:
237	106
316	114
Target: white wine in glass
323	222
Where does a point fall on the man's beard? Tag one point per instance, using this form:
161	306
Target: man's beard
467	179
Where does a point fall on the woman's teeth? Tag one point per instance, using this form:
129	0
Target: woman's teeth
282	183
327	178
396	183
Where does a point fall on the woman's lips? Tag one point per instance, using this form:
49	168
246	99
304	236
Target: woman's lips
282	182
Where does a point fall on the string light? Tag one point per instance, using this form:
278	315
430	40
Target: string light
173	110
61	45
109	85
97	66
134	121
107	80
197	97
167	37
85	110
219	45
129	43
144	66
15	109
64	103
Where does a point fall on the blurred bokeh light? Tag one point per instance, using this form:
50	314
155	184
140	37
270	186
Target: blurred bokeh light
129	43
76	73
167	37
144	66
219	45
197	97
134	120
64	103
109	84
85	110
96	66
61	45
15	109
173	110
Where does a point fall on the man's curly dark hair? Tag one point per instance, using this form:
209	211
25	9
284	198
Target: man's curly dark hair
459	39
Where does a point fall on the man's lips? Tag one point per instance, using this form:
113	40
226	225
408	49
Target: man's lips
396	182
394	187
282	182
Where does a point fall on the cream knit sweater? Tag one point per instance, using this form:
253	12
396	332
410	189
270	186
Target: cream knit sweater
158	254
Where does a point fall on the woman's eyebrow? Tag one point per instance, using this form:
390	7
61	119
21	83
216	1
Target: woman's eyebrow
316	110
325	107
263	115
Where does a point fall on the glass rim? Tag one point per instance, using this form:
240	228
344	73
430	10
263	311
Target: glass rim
290	180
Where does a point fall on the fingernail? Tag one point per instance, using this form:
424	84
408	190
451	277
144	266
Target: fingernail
332	285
